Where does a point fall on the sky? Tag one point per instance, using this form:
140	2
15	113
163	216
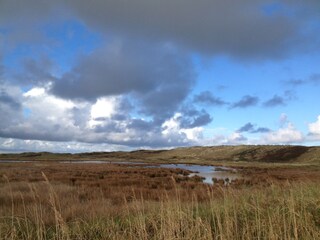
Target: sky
120	75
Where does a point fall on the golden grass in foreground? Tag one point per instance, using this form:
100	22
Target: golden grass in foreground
42	210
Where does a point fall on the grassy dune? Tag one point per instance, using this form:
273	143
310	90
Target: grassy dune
202	155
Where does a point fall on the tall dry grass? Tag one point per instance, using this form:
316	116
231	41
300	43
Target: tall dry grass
44	210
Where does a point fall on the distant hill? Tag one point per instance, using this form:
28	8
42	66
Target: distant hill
241	153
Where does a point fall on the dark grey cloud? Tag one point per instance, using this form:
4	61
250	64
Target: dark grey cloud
39	10
207	98
275	101
312	79
80	116
261	130
122	121
108	126
10	107
194	118
251	128
1	70
8	100
280	100
141	125
248	127
21	23
164	101
52	133
242	29
159	77
1	63
246	101
36	71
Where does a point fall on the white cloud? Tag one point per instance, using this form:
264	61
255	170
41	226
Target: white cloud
314	128
35	92
236	138
46	107
285	135
314	131
194	134
103	108
51	123
56	124
171	125
40	116
172	128
18	145
48	115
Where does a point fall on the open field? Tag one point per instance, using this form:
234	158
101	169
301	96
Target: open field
53	200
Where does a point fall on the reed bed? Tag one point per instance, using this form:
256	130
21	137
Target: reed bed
57	210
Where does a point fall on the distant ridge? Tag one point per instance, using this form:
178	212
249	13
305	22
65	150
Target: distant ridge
241	153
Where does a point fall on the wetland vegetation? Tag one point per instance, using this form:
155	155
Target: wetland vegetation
44	198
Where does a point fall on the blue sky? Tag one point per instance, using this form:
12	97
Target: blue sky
123	75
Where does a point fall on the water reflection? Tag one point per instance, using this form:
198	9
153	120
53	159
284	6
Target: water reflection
14	161
208	173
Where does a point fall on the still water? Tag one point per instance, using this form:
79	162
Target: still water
207	172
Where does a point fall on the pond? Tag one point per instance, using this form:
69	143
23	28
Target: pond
14	161
208	173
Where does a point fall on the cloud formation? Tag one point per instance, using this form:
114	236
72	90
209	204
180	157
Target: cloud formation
246	101
285	135
208	99
107	121
314	128
8	101
250	30
251	128
312	79
246	128
158	77
246	29
138	85
274	101
191	118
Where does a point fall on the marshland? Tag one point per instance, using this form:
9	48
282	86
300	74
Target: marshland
135	195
